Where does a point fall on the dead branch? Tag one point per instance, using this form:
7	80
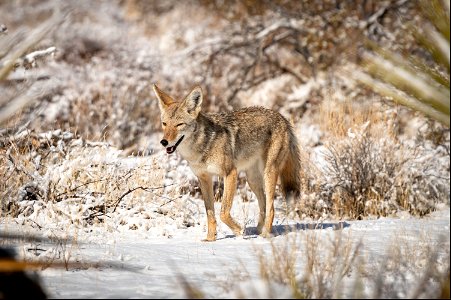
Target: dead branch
30	41
380	13
29	60
146	189
3	29
247	58
79	186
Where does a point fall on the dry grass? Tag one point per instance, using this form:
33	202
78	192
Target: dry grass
311	266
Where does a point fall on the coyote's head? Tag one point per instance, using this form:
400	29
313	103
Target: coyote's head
178	118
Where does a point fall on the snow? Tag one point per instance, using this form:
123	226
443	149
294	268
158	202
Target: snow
160	259
152	265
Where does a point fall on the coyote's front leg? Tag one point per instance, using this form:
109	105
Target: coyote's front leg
206	187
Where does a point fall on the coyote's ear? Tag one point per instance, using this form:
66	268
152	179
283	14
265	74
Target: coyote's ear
164	100
193	102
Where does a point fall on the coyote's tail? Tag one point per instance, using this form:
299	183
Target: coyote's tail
290	174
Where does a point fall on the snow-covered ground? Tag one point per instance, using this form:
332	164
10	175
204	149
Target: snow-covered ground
145	264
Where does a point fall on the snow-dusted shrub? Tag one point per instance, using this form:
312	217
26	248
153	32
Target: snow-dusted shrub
71	178
366	174
56	179
24	158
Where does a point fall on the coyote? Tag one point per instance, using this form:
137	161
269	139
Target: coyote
256	140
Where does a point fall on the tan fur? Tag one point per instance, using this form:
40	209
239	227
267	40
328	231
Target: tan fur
255	140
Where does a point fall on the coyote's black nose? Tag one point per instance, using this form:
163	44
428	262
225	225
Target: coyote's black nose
164	142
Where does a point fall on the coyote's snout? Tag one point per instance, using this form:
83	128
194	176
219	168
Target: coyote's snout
255	140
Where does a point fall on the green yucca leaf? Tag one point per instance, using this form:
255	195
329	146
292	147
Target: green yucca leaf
411	81
435	44
432	73
412	65
437	12
400	97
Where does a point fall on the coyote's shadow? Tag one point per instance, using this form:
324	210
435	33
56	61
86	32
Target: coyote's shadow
284	229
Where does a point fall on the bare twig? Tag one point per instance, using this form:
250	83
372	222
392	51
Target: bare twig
146	189
380	13
30	41
81	185
29	60
3	29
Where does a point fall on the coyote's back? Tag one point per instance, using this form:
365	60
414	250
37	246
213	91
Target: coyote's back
257	134
256	140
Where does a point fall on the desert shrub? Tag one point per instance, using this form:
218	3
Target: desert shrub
59	179
358	171
57	167
368	175
372	163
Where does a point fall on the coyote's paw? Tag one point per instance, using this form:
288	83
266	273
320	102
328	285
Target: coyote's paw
259	229
266	234
209	240
238	233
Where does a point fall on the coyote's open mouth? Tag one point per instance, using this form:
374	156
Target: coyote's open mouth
171	149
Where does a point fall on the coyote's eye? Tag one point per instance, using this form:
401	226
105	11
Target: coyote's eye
164	124
180	124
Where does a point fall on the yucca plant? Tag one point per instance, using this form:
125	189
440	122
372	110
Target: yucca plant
15	51
412	81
